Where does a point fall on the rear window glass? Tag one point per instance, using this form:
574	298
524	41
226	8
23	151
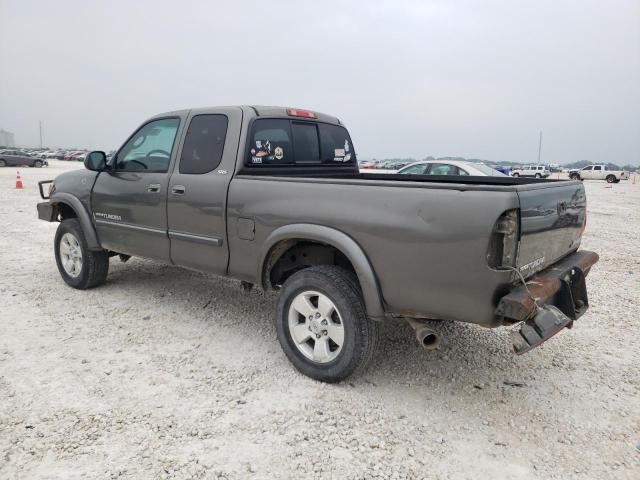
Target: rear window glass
271	143
306	145
336	144
285	142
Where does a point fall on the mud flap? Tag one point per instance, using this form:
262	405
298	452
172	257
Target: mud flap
548	321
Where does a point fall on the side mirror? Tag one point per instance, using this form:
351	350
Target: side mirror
96	161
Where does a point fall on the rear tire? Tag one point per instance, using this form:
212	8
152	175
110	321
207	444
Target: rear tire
325	288
515	175
37	163
3	163
538	175
79	267
611	179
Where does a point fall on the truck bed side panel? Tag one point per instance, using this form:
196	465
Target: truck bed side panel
427	246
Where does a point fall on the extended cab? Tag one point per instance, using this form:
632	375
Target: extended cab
273	197
599	172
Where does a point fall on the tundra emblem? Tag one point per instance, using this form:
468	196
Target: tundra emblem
108	216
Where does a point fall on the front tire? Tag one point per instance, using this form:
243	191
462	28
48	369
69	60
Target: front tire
79	267
37	163
538	175
322	324
515	175
2	163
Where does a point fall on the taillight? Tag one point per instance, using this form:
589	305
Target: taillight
503	245
296	112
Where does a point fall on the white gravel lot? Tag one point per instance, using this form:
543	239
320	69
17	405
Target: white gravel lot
167	373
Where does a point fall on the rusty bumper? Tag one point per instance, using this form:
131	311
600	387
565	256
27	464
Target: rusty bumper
553	299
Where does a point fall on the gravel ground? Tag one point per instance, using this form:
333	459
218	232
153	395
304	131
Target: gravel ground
166	373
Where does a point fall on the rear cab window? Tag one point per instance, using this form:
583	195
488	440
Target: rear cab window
276	142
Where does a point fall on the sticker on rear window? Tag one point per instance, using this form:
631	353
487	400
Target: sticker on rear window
339	152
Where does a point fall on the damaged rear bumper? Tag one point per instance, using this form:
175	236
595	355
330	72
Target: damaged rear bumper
552	300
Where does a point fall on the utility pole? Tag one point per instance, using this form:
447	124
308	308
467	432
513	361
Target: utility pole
539	146
40	124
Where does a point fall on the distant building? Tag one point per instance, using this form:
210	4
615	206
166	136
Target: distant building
7	139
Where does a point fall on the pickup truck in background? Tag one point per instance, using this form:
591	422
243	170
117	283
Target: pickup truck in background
599	172
273	197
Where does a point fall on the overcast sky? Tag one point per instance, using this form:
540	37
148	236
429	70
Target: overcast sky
409	78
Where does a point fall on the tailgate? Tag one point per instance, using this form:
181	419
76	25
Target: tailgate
552	218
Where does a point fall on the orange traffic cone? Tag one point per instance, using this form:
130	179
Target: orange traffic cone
19	185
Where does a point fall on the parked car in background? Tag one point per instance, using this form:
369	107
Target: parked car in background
450	167
536	171
15	158
599	172
392	165
367	164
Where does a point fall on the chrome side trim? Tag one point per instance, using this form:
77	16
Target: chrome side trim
138	228
215	241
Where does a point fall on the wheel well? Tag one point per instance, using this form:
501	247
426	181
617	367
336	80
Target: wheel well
289	256
65	211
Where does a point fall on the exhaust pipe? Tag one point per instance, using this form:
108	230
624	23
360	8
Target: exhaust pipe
427	338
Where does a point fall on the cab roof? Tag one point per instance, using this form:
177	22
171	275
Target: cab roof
258	111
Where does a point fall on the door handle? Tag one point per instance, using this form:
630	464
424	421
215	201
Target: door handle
178	189
153	187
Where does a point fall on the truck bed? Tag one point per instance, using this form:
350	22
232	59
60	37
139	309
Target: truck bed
427	238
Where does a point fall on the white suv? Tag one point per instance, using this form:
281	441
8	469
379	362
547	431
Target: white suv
537	171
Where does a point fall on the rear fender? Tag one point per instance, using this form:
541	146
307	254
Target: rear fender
338	240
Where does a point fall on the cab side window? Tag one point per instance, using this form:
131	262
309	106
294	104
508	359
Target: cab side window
149	149
204	144
598	167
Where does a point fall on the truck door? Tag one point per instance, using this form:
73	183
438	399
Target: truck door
587	172
129	202
598	173
197	200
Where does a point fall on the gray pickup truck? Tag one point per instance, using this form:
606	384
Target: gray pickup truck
273	197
